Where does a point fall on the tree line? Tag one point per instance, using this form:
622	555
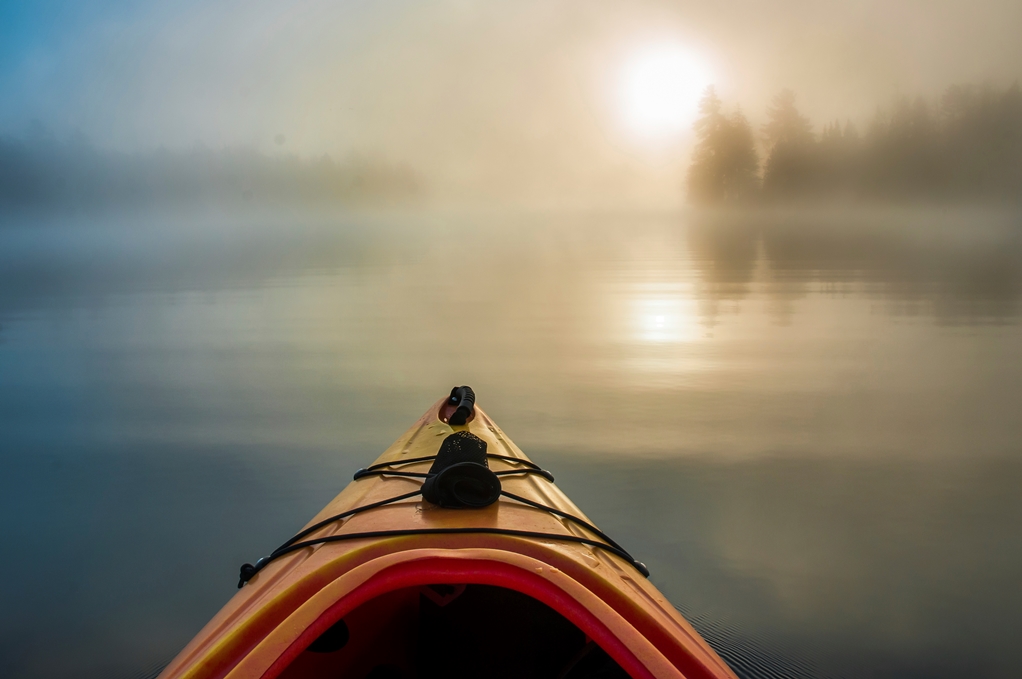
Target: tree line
40	172
966	146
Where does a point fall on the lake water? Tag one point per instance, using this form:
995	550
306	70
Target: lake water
808	425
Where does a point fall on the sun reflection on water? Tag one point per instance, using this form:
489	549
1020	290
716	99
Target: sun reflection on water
665	319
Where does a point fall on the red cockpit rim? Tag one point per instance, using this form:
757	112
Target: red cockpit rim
478	572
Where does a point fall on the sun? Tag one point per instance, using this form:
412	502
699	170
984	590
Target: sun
660	88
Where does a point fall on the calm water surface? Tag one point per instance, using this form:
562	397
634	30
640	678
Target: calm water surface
808	426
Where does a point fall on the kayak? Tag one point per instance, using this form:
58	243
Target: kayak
453	555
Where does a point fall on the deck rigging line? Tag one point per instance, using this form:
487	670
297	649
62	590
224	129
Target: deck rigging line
383	469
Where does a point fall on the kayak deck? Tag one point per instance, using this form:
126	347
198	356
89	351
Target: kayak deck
449	592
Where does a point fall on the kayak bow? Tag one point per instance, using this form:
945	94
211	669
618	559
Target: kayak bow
452	556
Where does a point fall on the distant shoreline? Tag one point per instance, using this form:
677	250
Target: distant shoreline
48	175
964	147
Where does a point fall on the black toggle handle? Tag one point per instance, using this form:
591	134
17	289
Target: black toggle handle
465	399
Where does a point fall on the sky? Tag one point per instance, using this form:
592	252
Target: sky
545	101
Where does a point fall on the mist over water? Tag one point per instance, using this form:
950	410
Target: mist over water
746	277
511	102
805	424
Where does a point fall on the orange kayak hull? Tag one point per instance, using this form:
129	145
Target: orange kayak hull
267	628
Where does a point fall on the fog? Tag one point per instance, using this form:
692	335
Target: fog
746	276
506	102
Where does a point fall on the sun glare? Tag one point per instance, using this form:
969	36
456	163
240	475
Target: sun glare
666	319
660	88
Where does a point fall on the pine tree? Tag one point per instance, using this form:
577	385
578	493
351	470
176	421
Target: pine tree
791	167
724	162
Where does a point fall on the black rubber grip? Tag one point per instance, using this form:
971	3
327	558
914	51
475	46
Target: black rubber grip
465	398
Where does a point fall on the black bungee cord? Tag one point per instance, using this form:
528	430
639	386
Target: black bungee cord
383	469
